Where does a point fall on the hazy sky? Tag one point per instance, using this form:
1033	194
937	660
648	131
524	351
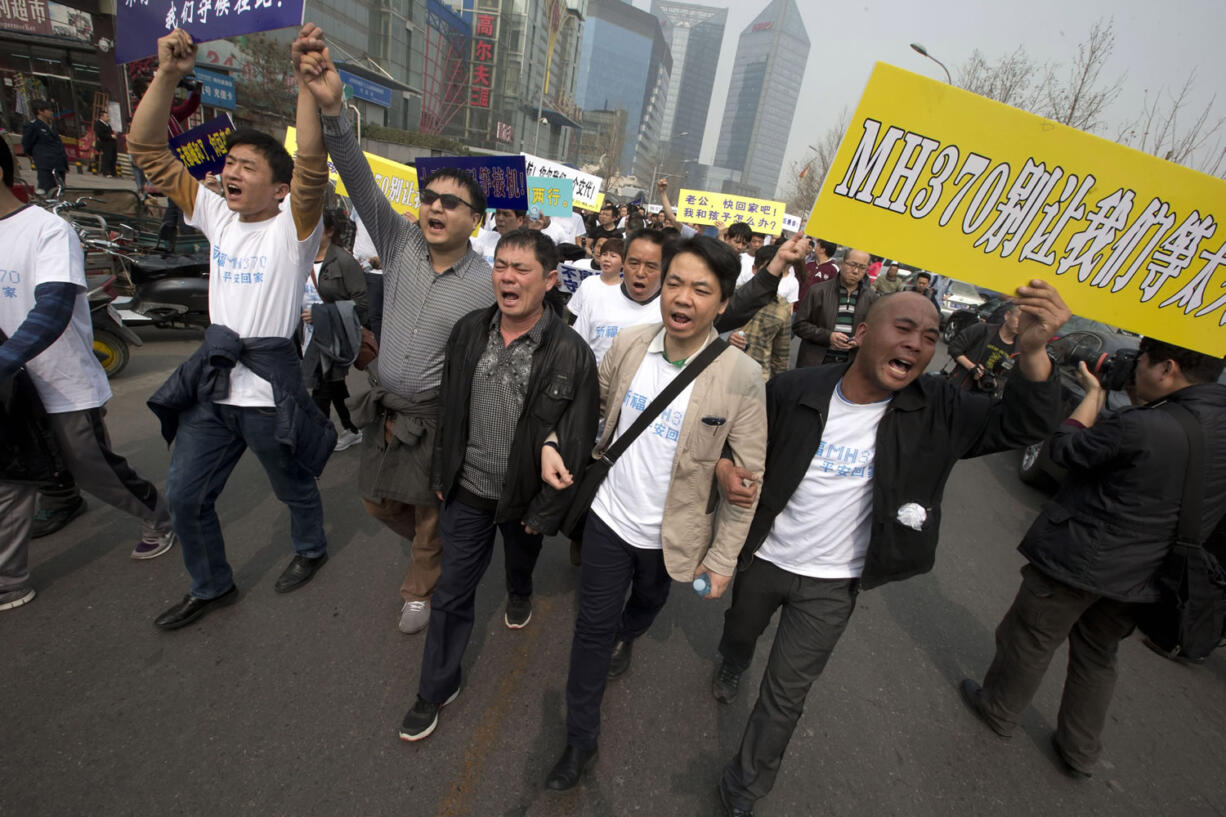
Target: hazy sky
1157	44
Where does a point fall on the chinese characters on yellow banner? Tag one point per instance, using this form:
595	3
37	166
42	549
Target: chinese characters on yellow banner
970	188
705	207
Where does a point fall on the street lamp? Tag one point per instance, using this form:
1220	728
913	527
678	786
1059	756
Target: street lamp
923	52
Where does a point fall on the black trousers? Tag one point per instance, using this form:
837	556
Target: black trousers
468	545
814	614
330	394
610	566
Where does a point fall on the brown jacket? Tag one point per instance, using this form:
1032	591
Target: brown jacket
700	526
817	314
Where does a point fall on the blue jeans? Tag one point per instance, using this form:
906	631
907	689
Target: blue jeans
209	442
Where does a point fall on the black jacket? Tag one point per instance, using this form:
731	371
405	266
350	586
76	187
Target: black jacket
816	316
563	396
341	279
42	144
1113	520
927	427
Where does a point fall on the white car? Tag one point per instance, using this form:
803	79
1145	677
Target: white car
953	295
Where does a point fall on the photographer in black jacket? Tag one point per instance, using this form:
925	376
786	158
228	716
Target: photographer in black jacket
1096	547
513	373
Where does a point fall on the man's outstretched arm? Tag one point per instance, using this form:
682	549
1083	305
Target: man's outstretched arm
310	180
147	135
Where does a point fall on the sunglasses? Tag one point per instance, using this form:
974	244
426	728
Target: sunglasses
449	201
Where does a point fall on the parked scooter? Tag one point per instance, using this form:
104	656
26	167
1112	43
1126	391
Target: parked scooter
169	290
111	338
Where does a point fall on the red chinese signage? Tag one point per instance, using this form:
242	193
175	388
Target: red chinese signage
27	16
481	78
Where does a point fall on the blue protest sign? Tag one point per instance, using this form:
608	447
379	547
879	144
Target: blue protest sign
367	90
552	195
217	90
569	277
203	148
139	23
502	178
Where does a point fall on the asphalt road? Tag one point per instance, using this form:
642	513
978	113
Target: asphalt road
289	705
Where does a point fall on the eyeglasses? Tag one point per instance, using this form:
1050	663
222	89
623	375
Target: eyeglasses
850	265
450	202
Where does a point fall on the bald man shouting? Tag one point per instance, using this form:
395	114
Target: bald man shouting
856	462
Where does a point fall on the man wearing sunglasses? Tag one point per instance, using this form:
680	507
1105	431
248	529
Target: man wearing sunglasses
432	277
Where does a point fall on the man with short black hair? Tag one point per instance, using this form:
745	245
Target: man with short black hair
738	235
821	268
243	388
983	353
922	284
1095	551
513	375
827	318
432	278
652	519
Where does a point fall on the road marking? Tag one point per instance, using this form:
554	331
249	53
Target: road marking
463	786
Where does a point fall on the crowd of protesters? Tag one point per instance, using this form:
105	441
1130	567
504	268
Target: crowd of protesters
654	418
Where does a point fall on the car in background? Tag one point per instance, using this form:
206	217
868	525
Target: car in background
1078	339
953	295
990	311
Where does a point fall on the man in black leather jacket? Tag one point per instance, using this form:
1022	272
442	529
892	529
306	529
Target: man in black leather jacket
1096	547
513	373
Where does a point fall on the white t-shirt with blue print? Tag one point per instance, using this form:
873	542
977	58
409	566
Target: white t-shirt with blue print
823	531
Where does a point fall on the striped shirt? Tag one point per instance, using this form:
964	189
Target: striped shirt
420	306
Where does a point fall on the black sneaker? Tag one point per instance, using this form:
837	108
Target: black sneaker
47	522
519	611
726	684
421	720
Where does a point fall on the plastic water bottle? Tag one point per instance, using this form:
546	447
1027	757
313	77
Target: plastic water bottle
702	584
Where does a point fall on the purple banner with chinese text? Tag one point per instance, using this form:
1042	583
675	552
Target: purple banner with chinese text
140	23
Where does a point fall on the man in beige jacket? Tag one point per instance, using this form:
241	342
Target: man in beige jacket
655	518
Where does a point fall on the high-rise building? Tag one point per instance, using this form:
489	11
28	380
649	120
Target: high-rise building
766	79
625	64
695	35
520	97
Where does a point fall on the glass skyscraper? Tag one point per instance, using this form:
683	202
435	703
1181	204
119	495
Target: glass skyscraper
695	34
766	79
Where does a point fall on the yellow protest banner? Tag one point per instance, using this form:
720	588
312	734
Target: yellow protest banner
967	187
398	182
705	207
593	208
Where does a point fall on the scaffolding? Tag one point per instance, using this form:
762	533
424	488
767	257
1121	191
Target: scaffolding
445	64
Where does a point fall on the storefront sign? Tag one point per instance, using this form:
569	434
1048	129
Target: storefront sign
502	178
139	23
203	148
366	90
217	90
26	16
965	186
481	76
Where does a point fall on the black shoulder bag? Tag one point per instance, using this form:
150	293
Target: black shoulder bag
599	468
1187	621
29	453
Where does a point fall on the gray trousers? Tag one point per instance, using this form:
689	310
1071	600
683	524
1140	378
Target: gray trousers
1044	614
814	614
86	448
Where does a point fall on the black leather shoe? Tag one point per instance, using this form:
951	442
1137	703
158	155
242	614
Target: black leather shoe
971	694
729	809
192	608
619	661
300	571
566	772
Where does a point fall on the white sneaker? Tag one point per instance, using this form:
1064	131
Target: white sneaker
414	617
347	439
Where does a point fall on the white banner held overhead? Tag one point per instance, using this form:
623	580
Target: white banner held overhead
587	186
